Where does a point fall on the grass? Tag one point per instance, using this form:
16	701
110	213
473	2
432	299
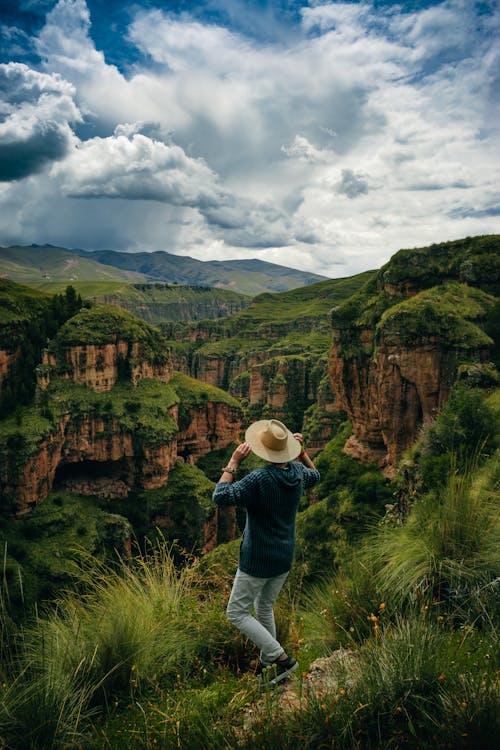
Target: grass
449	544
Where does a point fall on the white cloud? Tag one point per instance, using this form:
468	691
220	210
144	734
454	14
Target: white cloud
137	168
36	110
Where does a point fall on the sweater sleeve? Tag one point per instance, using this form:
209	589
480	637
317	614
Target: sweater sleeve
311	477
236	493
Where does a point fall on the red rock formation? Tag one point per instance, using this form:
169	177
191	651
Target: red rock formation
104	441
97	366
211	426
389	396
7	359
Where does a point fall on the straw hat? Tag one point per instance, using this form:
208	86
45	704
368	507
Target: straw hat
272	440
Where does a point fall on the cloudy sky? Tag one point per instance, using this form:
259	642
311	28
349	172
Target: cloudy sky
319	135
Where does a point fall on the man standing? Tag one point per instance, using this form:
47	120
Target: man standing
271	497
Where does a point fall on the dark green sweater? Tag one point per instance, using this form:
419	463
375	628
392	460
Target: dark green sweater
271	498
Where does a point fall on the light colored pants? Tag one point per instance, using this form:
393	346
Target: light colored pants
262	594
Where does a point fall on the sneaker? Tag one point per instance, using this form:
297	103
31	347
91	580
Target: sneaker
278	671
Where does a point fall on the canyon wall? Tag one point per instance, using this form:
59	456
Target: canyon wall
399	345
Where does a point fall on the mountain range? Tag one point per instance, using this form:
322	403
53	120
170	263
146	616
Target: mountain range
47	266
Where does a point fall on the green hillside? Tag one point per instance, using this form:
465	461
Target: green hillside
249	277
294	321
46	263
449	290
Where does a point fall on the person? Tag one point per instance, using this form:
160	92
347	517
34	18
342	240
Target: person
271	498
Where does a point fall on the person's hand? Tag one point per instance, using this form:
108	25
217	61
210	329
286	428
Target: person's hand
298	436
239	454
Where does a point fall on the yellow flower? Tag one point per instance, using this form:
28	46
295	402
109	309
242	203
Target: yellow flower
442	677
342	691
381	606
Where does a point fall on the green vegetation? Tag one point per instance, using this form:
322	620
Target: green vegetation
193	395
158	302
46	264
104	324
112	631
446	312
140	654
158	514
291	327
27	320
443	291
473	261
41	550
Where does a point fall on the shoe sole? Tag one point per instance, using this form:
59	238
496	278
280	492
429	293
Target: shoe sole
280	677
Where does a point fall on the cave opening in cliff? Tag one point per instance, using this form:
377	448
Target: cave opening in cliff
98	478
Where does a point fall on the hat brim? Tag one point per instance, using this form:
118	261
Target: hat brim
289	453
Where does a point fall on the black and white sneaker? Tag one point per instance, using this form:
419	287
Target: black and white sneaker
278	671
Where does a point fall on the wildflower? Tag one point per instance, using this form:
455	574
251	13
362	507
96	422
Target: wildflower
342	691
440	618
351	629
464	704
442	677
381	606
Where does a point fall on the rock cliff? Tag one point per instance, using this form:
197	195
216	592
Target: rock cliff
111	418
398	344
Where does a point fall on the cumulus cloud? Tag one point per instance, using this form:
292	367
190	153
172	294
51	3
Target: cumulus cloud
132	166
137	168
36	110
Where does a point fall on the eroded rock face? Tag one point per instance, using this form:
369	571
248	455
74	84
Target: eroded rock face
209	428
104	442
390	395
7	359
98	367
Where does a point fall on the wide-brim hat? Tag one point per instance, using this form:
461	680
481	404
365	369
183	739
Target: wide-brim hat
272	440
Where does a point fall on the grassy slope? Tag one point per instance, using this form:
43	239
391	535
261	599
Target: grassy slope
246	277
18	306
291	320
47	263
452	288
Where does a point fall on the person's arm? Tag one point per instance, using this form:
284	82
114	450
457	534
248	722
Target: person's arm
312	475
239	455
303	456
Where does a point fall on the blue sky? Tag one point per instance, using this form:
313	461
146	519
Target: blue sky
319	135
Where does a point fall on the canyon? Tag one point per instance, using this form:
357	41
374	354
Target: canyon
119	404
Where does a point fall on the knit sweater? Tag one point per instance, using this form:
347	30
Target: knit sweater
271	498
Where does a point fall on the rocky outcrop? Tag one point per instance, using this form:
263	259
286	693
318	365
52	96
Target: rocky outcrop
388	398
98	367
209	427
7	359
397	348
76	449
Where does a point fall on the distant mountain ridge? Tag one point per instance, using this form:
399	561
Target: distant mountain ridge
37	263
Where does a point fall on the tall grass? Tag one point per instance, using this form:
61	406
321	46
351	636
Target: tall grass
137	628
449	545
414	685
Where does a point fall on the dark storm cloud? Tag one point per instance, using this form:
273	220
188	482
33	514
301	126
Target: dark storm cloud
35	112
351	185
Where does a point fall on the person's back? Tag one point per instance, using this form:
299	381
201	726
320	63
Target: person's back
271	497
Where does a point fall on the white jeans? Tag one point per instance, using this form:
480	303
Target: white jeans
262	594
